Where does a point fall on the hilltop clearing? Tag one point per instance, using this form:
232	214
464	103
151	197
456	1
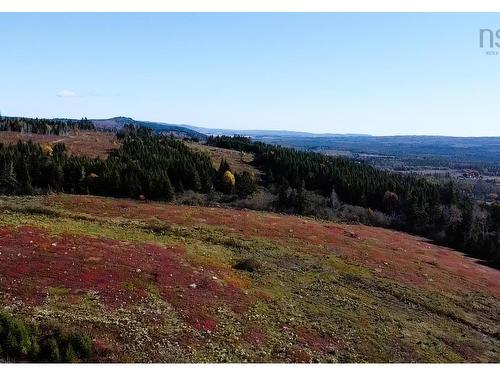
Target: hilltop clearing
162	282
85	143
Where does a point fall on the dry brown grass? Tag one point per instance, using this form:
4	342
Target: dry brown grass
87	143
239	161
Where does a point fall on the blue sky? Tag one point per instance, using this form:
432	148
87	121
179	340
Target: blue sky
378	74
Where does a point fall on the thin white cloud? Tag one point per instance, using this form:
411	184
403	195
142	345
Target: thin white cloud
71	94
66	94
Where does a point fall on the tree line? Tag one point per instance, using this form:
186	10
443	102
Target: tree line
44	126
413	203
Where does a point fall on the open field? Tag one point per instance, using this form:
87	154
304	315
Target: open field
157	282
87	143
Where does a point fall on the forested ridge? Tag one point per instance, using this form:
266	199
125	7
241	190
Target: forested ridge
146	165
412	203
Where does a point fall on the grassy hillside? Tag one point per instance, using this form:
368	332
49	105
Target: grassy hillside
161	282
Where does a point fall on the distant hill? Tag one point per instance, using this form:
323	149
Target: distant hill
177	130
259	133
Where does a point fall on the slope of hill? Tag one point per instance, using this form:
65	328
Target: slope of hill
160	282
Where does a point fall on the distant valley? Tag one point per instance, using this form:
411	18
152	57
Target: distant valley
468	150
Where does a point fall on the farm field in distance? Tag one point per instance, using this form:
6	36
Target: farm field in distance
170	283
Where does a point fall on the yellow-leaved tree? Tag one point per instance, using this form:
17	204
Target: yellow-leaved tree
47	150
228	181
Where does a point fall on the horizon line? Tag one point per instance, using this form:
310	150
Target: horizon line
257	129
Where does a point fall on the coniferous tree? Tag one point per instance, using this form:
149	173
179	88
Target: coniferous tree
245	183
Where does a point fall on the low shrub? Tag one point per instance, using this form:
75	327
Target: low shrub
157	226
249	265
